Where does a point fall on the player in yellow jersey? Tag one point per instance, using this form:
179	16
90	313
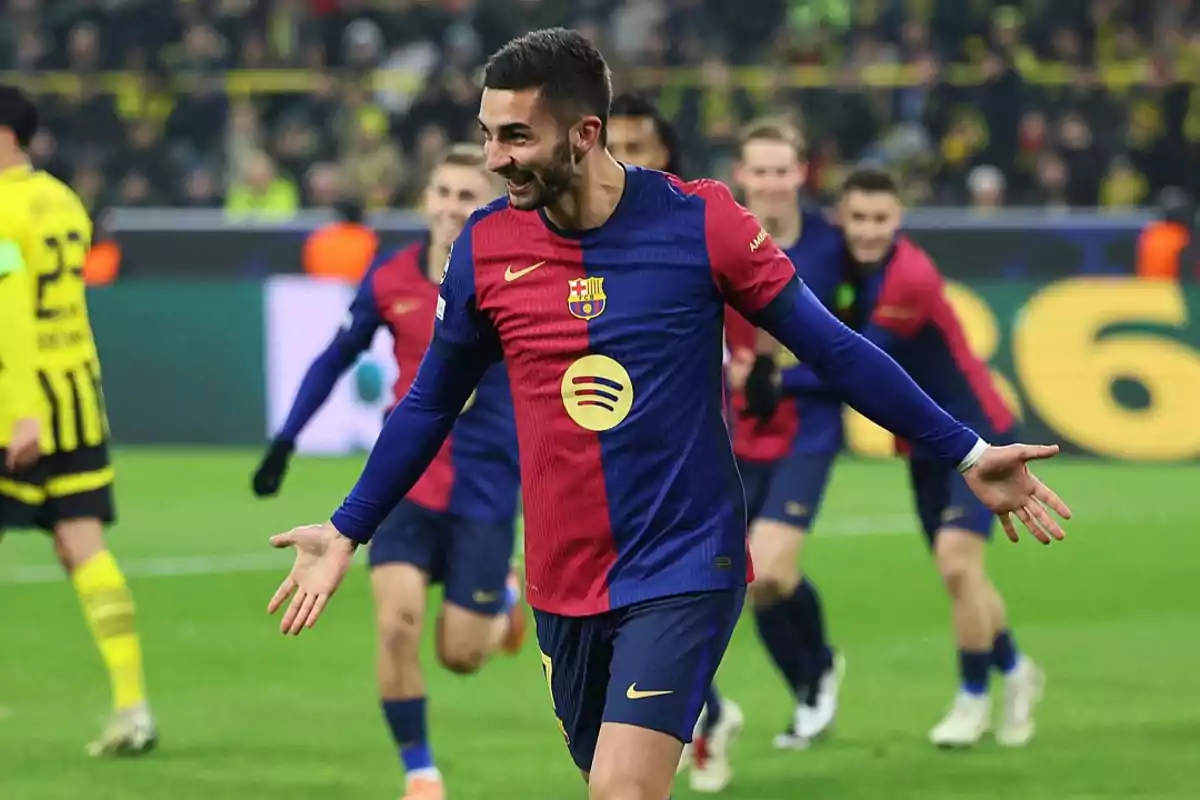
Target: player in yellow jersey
54	467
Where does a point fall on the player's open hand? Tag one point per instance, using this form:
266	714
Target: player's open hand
1002	480
322	557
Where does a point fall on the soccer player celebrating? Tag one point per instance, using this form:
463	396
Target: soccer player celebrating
638	135
55	472
903	308
785	459
603	289
456	525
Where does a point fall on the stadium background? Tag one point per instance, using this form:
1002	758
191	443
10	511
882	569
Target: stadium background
211	139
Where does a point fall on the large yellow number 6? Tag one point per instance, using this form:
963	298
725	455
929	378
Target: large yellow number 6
548	671
1068	363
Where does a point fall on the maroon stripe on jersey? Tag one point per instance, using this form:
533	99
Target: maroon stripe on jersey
979	378
569	548
406	301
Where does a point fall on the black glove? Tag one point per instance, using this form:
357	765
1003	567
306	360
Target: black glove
269	475
762	390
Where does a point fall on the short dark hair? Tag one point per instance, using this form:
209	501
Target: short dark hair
870	179
19	114
567	69
637	107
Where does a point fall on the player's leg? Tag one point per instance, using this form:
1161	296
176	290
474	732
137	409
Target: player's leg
403	554
959	527
576	657
964	541
664	655
787	606
481	611
78	504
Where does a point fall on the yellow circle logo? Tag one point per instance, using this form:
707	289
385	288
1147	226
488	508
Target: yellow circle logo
597	393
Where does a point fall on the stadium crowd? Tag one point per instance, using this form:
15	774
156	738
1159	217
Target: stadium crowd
266	106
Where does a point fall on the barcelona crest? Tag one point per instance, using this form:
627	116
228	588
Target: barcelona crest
586	299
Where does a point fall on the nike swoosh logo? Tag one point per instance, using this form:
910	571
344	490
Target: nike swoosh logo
482	597
633	693
511	276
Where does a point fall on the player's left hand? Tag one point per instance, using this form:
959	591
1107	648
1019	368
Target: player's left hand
1002	480
24	446
762	389
322	558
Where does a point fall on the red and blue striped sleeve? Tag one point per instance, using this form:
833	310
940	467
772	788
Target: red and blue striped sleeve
464	345
351	340
757	279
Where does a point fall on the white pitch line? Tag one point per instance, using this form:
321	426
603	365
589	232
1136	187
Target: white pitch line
178	566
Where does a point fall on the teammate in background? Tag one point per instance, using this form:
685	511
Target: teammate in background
638	135
56	473
903	308
785	460
457	524
603	288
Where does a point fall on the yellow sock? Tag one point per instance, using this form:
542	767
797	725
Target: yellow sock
108	607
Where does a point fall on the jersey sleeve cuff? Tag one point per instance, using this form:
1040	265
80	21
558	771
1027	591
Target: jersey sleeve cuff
973	455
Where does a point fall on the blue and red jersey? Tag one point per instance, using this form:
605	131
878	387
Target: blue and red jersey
912	319
475	474
902	307
809	423
613	339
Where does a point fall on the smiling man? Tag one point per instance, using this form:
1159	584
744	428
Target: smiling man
636	558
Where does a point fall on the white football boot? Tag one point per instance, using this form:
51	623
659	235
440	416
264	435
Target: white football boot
1023	688
965	724
711	771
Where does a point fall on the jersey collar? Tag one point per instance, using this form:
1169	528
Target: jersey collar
17	173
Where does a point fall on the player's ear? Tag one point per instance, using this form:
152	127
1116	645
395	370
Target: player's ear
587	134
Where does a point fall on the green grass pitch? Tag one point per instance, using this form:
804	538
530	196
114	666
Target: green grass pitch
1113	614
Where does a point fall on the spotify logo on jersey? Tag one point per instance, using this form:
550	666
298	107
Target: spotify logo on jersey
597	393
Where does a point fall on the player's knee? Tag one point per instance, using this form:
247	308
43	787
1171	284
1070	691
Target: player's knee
959	555
399	628
76	541
775	549
460	656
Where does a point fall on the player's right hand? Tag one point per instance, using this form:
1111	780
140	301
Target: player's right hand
322	558
269	475
25	447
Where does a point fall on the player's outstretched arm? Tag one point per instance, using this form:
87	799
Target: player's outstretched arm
410	439
881	390
464	345
18	357
757	279
351	340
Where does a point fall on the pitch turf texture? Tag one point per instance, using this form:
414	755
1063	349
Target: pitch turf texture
1113	614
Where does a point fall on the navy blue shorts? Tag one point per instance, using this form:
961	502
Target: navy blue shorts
943	498
471	559
648	665
797	487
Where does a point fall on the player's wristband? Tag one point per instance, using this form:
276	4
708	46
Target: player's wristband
973	456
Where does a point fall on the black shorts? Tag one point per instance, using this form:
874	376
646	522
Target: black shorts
67	485
648	665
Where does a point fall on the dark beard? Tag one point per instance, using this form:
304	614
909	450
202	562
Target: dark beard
550	182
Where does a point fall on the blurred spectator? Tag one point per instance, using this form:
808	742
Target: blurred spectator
260	192
1164	242
1083	102
986	185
